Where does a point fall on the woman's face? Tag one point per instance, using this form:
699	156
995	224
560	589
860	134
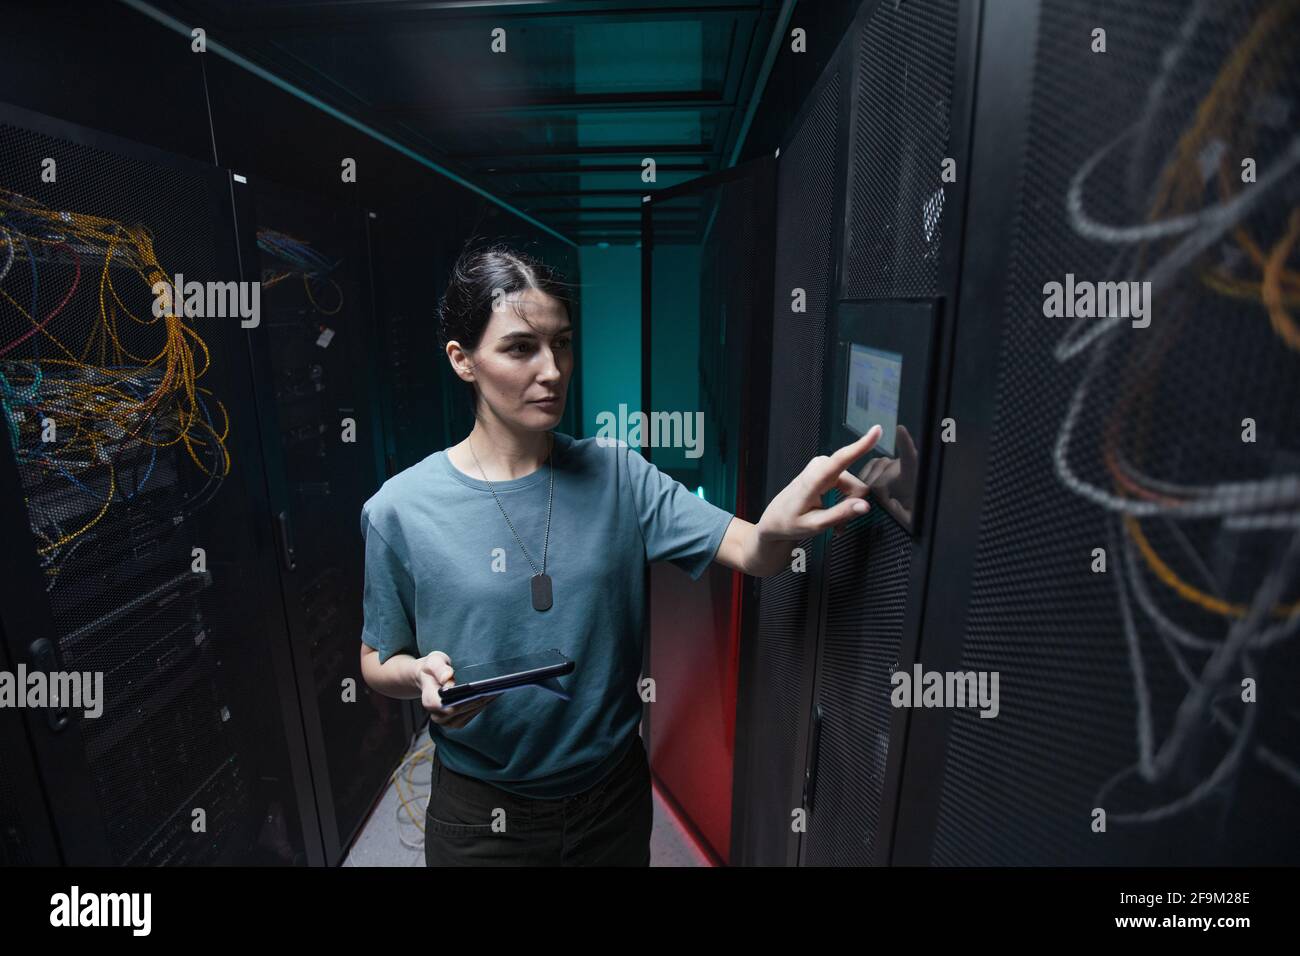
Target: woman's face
518	364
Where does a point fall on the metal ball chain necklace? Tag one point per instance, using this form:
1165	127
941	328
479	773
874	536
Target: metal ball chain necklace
540	582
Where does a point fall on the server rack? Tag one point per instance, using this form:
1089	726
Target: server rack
697	629
410	263
898	242
1074	440
777	665
891	106
323	444
406	328
1121	689
26	830
131	496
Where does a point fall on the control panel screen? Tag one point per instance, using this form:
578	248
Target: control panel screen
875	379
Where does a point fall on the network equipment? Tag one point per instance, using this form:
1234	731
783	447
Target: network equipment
127	474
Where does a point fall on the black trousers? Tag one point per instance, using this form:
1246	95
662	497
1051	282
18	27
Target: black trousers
472	823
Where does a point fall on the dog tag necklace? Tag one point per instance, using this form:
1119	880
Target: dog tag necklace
540	582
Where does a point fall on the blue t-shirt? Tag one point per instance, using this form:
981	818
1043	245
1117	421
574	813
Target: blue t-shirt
430	585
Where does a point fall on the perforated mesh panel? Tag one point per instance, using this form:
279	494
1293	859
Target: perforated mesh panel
904	56
867	589
410	344
1131	440
13	839
900	138
804	213
125	455
313	275
805	217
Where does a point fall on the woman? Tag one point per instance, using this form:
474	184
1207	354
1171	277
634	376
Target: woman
518	539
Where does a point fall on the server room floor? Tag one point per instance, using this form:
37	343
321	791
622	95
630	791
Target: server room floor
380	841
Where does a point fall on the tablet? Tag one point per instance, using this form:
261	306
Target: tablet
509	673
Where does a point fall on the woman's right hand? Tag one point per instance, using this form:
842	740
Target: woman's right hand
435	673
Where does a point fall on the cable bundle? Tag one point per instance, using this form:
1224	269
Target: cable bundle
304	261
109	406
1212	626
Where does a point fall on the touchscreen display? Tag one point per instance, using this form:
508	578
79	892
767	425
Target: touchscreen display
874	381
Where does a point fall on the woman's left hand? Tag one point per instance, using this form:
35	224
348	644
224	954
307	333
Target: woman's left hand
796	512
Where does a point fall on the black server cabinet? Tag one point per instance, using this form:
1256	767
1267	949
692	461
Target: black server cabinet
777	663
26	832
409	269
413	248
1125	436
133	510
865	214
908	117
322	441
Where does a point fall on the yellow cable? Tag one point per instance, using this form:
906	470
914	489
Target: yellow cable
91	405
1243	288
1167	576
1278	316
306	282
112	487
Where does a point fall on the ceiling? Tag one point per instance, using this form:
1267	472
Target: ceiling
559	124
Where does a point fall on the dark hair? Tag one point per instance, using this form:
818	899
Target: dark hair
466	304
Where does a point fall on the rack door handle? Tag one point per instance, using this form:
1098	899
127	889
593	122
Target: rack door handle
44	658
810	776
